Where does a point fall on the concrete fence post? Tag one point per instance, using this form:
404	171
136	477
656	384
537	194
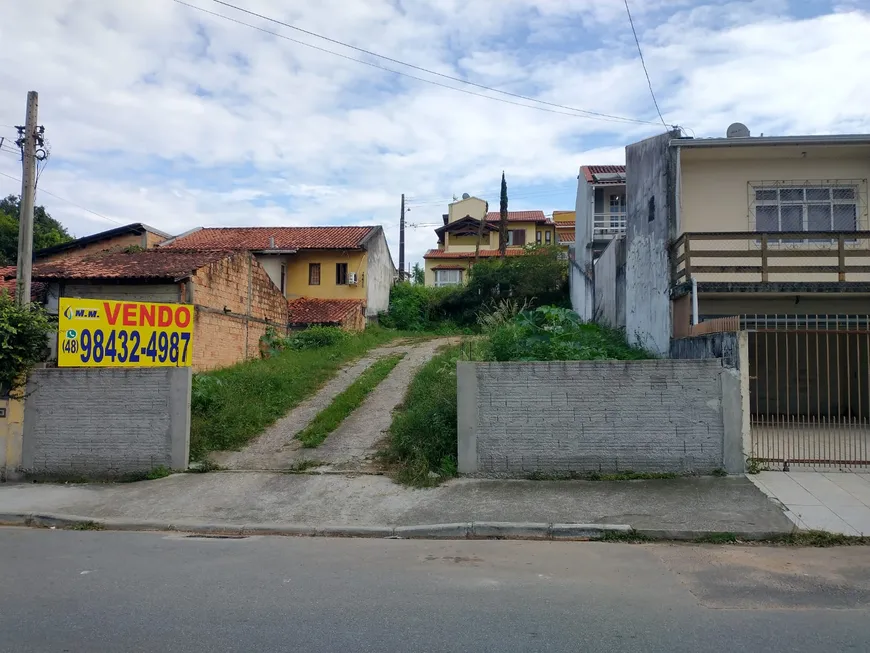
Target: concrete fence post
466	411
180	382
732	422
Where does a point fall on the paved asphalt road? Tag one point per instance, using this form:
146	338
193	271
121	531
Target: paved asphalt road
65	591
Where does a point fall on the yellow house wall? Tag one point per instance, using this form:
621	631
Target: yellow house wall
470	241
297	274
715	196
11	436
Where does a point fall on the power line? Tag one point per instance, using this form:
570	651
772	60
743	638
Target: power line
426	70
643	63
63	199
578	113
491	196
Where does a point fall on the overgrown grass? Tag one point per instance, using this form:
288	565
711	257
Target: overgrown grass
422	439
348	401
150	475
232	405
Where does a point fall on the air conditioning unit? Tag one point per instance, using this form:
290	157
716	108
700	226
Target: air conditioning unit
352	279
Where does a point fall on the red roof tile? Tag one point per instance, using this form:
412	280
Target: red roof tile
519	216
8	283
484	253
150	264
308	310
589	171
260	238
566	237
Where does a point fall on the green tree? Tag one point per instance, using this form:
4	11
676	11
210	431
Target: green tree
47	231
23	331
503	219
418	275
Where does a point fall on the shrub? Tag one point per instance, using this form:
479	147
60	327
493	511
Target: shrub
311	338
552	333
318	336
538	278
414	307
23	332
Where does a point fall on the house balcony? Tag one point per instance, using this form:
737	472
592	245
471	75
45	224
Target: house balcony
750	261
606	226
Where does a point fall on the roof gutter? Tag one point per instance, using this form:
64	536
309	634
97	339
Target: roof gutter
773	141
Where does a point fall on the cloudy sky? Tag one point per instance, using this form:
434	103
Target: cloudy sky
160	113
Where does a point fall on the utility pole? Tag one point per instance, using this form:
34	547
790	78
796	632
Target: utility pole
28	142
402	241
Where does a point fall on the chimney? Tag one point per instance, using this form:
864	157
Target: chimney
271	242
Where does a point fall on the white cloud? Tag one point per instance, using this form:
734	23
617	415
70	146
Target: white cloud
162	114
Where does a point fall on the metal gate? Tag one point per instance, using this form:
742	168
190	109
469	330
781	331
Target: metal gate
809	390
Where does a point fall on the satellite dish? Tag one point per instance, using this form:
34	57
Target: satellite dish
737	130
465	196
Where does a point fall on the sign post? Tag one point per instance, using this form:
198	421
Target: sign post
106	333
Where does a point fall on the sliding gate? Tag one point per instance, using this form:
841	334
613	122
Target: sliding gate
809	390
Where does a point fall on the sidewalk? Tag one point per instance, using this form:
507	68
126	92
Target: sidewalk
837	502
704	504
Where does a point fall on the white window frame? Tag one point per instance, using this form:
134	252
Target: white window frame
774	198
448	278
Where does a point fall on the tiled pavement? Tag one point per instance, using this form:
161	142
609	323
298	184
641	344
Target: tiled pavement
829	501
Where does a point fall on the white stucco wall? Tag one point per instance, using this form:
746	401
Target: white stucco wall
379	277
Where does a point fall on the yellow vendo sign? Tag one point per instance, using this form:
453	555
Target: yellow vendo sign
104	333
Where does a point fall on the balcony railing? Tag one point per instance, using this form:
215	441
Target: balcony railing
608	225
771	256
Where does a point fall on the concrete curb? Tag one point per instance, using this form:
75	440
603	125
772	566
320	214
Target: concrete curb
454	531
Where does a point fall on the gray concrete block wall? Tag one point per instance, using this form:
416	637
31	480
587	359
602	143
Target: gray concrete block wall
583	416
107	421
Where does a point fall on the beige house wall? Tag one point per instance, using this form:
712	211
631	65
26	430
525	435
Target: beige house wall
473	206
716	196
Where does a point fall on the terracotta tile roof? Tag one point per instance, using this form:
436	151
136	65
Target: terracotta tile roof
8	284
590	171
259	238
519	216
484	253
566	236
308	310
150	264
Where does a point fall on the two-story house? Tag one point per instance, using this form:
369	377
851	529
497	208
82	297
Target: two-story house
566	228
766	238
600	218
458	238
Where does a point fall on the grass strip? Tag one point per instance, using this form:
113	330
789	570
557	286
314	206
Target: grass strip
422	442
232	405
348	401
